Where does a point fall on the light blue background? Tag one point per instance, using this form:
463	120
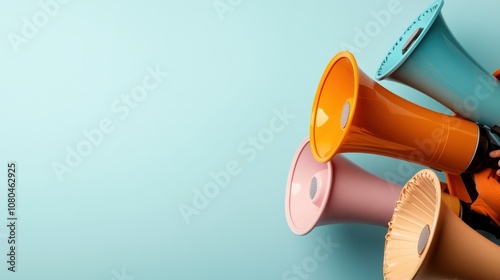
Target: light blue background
117	213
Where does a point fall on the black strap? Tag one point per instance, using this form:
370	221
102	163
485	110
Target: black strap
470	185
478	221
495	129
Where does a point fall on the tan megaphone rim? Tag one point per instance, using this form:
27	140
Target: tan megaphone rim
347	87
408	228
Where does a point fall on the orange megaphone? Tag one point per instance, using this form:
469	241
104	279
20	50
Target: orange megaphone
353	113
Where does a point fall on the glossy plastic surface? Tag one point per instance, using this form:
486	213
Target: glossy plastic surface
488	200
409	40
302	213
344	192
437	65
379	122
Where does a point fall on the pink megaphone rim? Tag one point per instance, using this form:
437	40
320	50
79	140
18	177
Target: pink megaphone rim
304	207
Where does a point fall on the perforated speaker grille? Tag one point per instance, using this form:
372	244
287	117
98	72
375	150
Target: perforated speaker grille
423	239
345	114
313	188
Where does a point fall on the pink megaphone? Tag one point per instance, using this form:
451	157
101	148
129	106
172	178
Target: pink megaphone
335	191
340	191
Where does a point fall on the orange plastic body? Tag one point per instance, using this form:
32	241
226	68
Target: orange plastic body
488	200
488	188
457	188
497	73
353	113
453	203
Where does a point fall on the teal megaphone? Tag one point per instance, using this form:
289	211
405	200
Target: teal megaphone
429	58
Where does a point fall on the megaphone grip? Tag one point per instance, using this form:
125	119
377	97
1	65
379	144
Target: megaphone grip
481	159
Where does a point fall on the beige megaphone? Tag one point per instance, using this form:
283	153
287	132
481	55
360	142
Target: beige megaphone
425	240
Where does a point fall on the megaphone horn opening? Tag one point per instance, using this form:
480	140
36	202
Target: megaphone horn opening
308	189
409	41
426	240
416	218
334	106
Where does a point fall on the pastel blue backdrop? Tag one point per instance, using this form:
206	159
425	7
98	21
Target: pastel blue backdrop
120	114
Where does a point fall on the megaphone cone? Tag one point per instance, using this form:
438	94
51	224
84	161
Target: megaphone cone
353	113
425	240
429	58
333	192
339	191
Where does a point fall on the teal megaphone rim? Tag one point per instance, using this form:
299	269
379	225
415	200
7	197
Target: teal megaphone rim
410	40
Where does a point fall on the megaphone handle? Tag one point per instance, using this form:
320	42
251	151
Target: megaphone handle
486	144
495	139
495	135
